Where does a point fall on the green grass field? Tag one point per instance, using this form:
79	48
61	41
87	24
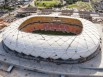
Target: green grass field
46	3
53	32
81	5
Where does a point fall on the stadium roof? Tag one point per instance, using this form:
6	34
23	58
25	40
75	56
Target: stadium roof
55	47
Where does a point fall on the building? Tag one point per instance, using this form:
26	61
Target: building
60	39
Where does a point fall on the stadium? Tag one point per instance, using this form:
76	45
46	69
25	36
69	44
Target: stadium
56	39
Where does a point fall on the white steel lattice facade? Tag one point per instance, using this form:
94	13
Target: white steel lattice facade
55	47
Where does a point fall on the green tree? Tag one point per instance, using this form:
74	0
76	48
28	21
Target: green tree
72	1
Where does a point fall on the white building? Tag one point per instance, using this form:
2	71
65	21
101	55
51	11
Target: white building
55	47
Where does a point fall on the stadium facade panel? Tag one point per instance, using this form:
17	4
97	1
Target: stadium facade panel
81	40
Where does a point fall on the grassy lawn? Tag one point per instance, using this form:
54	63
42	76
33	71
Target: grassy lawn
53	32
47	4
96	0
81	6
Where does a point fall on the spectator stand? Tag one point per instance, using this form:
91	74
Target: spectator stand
46	11
67	12
85	15
26	11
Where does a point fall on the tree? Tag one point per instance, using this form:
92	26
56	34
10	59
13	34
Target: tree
72	1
